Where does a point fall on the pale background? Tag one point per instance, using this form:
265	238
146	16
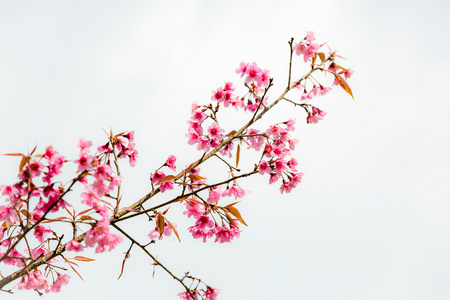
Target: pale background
371	218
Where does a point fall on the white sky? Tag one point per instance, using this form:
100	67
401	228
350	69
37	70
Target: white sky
369	221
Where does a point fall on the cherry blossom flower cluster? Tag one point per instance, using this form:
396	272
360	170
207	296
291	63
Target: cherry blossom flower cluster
307	47
38	200
209	294
32	202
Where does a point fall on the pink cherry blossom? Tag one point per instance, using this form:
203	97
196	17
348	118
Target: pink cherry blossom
242	69
62	279
253	73
202	233
211	293
193	209
84	162
187	296
74	245
35	168
264	168
203	144
215	132
214	195
235	191
84	145
285	187
8	214
103	172
225	234
292	163
170	162
40	232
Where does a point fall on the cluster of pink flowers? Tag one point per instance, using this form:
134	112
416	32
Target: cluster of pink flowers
278	145
205	227
209	294
307	47
40	198
124	143
35	280
259	79
315	115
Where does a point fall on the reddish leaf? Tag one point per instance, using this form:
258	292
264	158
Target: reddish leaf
194	177
87	218
34	149
321	56
231	204
160	223
238	153
119	134
25	213
71	262
14	154
127	255
55	220
76	272
82	258
165	179
343	84
232	133
235	212
23	162
174	230
84	211
230	219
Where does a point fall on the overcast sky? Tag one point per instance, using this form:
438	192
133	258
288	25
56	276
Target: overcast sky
371	217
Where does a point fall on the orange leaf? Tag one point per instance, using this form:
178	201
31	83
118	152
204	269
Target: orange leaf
238	153
82	258
160	223
231	204
235	212
87	218
84	211
34	149
230	219
343	84
23	162
231	133
14	154
174	230
76	272
194	177
55	219
321	56
165	179
25	213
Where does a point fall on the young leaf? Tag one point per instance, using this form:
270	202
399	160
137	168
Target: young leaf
76	272
343	84
23	162
238	152
174	230
235	212
160	223
321	56
194	177
230	219
82	258
165	179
